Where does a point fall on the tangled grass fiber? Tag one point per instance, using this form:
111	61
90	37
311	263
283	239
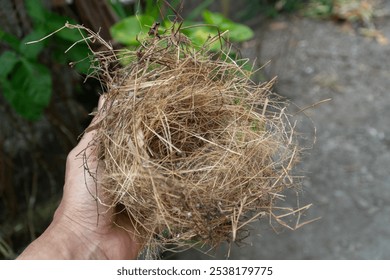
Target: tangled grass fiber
193	150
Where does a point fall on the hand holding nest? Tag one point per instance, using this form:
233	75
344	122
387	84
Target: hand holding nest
83	227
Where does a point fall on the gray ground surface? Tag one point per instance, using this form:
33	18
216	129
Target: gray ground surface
348	171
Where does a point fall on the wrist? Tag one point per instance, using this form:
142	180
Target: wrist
70	236
62	242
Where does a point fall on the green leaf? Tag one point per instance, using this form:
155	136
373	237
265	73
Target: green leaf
49	22
237	32
201	36
29	89
35	10
8	60
54	22
11	40
79	56
213	18
127	30
31	51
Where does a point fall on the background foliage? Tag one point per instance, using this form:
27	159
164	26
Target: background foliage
26	82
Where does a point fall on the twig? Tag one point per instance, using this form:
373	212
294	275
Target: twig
313	105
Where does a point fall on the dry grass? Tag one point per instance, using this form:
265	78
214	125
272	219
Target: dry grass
193	150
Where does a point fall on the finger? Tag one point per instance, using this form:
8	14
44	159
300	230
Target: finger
90	130
87	138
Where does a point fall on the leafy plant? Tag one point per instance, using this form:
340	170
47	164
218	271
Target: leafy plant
129	30
26	83
237	32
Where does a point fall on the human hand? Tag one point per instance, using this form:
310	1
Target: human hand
83	226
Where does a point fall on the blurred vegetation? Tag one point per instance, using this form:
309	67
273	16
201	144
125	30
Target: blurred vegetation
25	81
130	29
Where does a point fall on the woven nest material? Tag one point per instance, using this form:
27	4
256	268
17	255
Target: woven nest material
193	150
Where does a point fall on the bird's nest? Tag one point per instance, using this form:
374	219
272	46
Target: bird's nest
193	149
